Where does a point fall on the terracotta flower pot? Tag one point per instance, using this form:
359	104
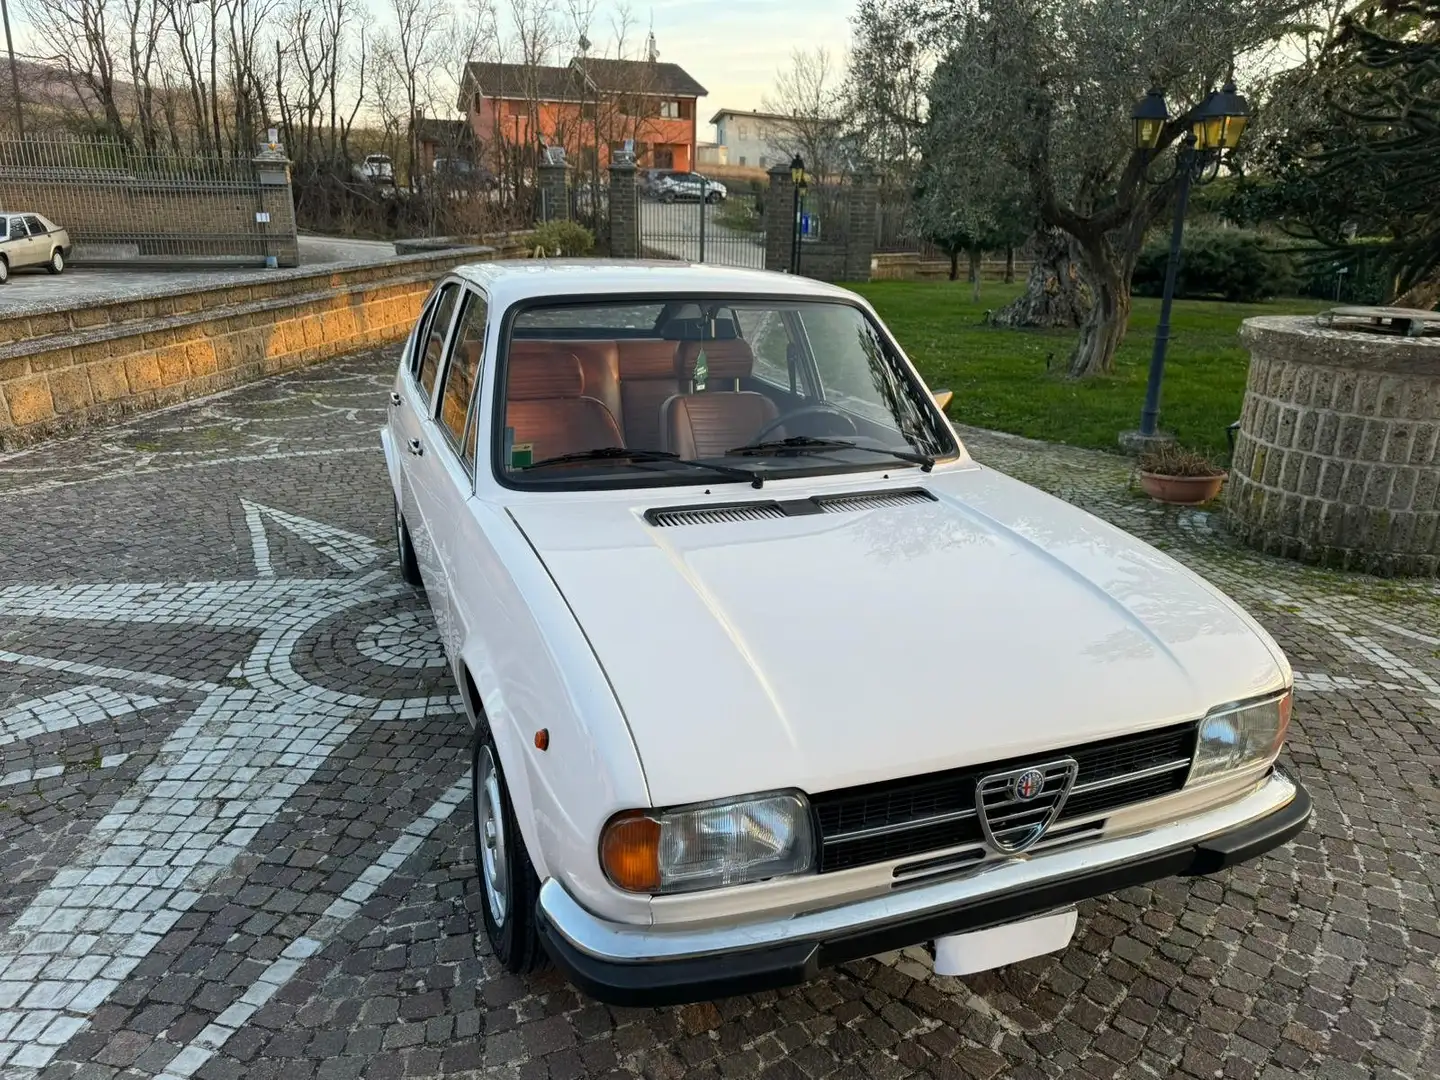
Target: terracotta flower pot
1182	490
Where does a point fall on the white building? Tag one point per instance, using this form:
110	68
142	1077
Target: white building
752	139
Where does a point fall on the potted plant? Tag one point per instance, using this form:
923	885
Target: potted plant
1172	474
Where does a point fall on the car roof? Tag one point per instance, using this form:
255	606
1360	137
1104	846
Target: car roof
509	281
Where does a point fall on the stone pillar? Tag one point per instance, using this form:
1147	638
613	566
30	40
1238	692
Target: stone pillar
272	178
779	219
554	204
624	208
1337	460
860	236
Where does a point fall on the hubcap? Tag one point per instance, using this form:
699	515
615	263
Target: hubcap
490	836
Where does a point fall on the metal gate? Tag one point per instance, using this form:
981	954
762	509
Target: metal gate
696	223
123	202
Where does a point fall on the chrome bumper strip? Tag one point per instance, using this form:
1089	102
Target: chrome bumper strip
634	944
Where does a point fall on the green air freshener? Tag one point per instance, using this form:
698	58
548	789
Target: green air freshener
702	370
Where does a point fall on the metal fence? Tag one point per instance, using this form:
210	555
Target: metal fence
120	201
724	232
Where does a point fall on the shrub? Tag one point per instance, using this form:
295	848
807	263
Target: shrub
567	238
1232	264
1171	459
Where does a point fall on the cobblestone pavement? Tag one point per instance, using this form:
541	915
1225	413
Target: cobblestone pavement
234	810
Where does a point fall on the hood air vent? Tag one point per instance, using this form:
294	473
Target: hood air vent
848	502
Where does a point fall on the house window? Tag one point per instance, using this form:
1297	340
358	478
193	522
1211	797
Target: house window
744	131
670	110
763	161
742	159
587	110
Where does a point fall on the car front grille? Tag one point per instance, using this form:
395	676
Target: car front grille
899	819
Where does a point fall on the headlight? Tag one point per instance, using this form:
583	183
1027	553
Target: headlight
1236	737
705	847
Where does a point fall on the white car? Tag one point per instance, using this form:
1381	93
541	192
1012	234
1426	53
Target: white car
31	240
765	672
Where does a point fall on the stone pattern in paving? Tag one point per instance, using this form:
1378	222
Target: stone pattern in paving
234	809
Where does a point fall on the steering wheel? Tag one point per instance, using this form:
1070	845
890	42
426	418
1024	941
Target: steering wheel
818	409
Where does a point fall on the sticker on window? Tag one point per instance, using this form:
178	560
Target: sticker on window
521	455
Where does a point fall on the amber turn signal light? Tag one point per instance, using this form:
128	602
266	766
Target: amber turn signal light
630	852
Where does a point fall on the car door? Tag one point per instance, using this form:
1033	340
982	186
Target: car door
452	432
39	239
415	443
18	243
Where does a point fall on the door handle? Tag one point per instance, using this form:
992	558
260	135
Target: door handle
416	448
394	398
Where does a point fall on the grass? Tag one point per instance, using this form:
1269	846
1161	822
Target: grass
1014	380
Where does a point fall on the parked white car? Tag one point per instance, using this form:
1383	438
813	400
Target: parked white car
765	671
31	240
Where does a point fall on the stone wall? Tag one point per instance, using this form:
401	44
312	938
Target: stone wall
1338	456
64	368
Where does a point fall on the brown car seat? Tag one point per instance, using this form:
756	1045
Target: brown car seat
647	379
546	408
599	360
706	422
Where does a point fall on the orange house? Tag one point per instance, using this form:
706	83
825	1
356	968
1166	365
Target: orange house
588	106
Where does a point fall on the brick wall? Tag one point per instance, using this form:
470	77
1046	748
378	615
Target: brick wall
826	260
1338	456
64	369
624	212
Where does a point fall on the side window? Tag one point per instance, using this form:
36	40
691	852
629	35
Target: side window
37	227
462	373
17	229
432	346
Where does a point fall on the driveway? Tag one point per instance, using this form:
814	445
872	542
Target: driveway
234	809
674	230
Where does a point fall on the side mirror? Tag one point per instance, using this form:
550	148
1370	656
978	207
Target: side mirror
942	398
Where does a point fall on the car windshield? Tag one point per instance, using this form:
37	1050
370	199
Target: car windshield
657	390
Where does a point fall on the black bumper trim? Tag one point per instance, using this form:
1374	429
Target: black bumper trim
674	982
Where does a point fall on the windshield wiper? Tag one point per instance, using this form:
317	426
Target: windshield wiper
621	453
799	444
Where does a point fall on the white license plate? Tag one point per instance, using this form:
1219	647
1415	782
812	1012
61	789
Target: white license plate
981	950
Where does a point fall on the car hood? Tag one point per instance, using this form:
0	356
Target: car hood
872	642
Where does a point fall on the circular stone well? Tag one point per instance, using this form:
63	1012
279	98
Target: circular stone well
1338	456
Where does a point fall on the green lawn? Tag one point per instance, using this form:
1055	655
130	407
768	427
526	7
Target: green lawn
1013	380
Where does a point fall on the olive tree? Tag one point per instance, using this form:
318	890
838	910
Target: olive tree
1046	86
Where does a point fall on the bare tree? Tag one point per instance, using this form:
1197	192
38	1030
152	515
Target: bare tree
81	32
809	97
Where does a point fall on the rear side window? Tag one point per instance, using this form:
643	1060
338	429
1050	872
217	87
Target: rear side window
432	345
37	227
463	371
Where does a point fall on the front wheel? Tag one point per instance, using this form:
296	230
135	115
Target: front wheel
4	270
405	548
668	197
508	885
56	264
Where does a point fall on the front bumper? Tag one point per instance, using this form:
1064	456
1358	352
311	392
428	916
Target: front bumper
631	965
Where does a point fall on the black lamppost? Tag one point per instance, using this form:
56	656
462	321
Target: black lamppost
797	179
1216	128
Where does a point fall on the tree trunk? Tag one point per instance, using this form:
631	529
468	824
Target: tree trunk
1104	327
1423	295
975	256
1056	295
1009	264
954	264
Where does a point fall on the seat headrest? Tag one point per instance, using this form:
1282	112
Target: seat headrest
646	358
724	359
536	378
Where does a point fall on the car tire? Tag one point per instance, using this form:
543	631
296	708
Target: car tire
668	197
4	269
56	265
405	547
713	198
509	886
